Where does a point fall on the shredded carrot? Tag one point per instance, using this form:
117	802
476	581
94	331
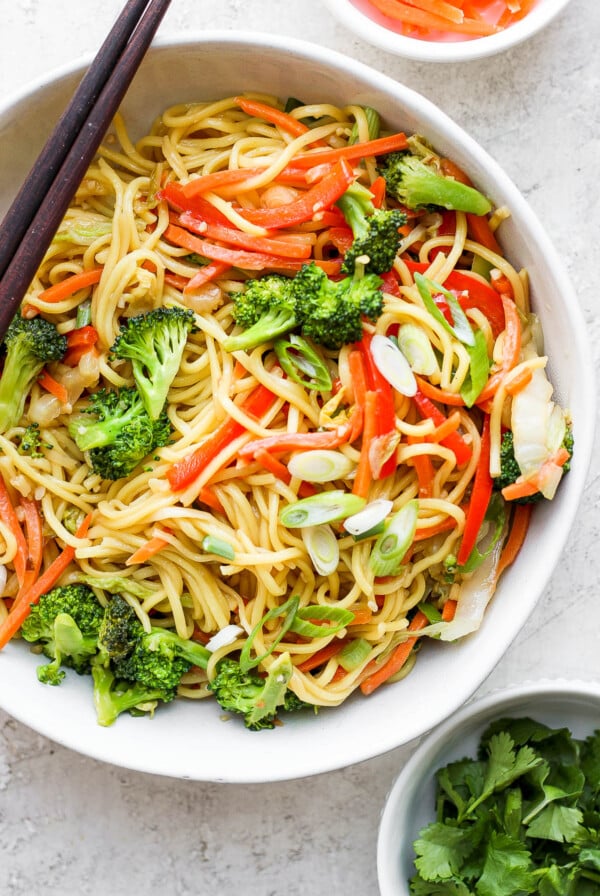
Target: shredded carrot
377	676
358	376
65	288
52	386
322	655
362	616
147	550
454	399
281	443
449	610
514	542
27	598
280	119
378	147
449	425
34	540
410	15
208	497
428	531
518	382
511	350
523	488
207	273
9	517
439	8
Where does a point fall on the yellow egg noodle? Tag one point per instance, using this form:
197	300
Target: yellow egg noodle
124	224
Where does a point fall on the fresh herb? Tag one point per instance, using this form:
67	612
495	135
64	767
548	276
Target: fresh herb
521	818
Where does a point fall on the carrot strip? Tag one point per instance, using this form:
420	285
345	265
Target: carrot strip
322	655
480	496
516	537
358	376
70	285
364	473
511	350
208	497
440	8
454	441
410	15
449	610
281	443
362	616
381	146
449	425
429	531
34	540
211	183
52	386
9	517
397	659
147	550
22	606
523	488
205	275
453	399
185	471
519	381
280	119
277	246
423	468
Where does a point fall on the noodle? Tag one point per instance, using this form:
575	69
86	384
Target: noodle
120	221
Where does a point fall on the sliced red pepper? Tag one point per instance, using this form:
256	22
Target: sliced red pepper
316	199
480	497
279	247
455	442
239	258
471	292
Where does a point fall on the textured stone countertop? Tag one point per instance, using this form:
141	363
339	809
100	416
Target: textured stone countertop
73	826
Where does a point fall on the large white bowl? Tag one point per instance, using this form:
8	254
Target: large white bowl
190	740
373	28
411	802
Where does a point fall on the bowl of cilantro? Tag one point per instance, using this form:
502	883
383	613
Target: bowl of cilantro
503	798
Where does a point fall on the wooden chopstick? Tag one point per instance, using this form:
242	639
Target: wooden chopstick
35	215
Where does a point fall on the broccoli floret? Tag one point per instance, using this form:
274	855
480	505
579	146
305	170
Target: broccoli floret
113	697
30	343
375	231
154	343
331	312
510	471
157	658
30	441
66	623
118	432
418	185
265	309
257	699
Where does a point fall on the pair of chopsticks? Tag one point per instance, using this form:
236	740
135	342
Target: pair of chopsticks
35	215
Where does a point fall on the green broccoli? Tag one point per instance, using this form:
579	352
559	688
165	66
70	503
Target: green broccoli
118	432
416	185
265	309
510	471
113	697
30	441
330	311
30	344
119	630
154	343
257	699
66	623
375	231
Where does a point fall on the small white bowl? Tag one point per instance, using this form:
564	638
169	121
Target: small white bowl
411	802
370	29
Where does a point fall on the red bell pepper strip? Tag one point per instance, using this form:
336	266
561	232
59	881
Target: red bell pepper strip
454	441
10	519
212	183
207	273
317	199
185	471
239	258
480	497
279	247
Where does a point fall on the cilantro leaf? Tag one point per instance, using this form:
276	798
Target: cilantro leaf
562	782
556	822
450	887
504	766
441	849
507	868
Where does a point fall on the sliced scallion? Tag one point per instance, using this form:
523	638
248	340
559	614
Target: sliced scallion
354	653
370	516
332	620
211	544
288	611
391	546
323	549
326	507
302	362
479	370
462	328
392	364
320	465
414	344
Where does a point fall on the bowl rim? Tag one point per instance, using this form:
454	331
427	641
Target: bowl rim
450	51
425	758
349	753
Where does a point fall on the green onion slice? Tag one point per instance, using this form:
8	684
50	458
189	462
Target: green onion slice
354	653
392	364
302	363
320	465
370	516
288	611
479	370
462	328
323	548
213	545
391	546
327	507
414	344
333	619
